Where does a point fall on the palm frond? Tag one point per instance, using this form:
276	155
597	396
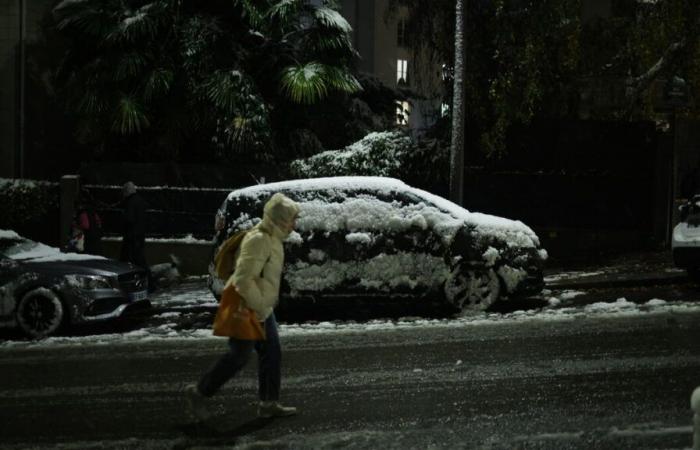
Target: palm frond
284	10
251	13
130	65
322	41
331	18
223	89
91	103
130	117
342	80
135	26
83	17
158	82
304	83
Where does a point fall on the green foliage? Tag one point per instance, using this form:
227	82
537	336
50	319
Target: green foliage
26	201
220	76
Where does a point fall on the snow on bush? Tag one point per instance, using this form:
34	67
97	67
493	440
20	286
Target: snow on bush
377	154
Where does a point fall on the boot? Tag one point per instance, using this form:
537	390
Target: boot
196	403
267	410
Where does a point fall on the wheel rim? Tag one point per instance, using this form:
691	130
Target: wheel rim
473	289
40	313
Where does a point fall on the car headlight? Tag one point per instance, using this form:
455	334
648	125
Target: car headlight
91	282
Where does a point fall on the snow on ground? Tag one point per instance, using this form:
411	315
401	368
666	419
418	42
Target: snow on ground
569	275
181	300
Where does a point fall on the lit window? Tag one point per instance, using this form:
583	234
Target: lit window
401	71
401	33
402	113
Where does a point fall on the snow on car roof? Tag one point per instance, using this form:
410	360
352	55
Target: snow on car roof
368	212
38	252
9	234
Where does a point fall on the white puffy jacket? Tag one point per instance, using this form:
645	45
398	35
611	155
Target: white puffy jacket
260	258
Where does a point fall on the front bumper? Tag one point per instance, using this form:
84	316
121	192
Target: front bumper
686	246
103	304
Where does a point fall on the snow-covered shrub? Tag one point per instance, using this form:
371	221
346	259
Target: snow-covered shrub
25	201
377	154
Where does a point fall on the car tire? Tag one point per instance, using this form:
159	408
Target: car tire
40	313
472	289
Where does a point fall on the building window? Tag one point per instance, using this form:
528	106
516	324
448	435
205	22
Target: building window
403	110
401	33
401	71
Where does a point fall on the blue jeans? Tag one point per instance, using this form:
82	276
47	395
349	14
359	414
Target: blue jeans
269	363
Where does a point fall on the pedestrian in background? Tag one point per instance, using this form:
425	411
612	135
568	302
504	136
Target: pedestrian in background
256	277
134	229
89	223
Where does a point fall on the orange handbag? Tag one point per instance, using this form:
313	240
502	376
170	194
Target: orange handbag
235	320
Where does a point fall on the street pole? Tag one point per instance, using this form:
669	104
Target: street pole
458	125
19	164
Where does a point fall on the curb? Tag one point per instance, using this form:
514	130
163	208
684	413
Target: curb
620	280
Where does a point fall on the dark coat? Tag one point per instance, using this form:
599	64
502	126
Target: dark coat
134	218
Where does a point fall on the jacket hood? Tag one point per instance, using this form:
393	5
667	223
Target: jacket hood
280	209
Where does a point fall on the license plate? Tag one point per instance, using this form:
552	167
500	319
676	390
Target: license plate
139	295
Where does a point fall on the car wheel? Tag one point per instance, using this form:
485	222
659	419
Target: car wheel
472	289
40	312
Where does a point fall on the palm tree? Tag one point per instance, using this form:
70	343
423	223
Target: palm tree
172	74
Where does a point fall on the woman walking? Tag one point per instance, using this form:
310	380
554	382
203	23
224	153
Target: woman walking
256	277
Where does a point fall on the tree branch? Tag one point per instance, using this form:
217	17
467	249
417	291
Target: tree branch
635	86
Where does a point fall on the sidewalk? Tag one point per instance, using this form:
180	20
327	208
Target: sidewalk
631	269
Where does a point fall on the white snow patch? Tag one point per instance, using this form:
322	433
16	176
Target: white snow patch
568	295
491	255
383	272
511	276
568	275
656	302
621	304
368	213
359	238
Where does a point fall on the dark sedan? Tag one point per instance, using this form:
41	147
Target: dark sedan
42	289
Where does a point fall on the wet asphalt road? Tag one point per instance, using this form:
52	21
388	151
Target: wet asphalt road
613	383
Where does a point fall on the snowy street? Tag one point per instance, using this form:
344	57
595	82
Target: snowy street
614	373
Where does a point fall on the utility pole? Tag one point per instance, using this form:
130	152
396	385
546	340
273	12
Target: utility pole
457	147
21	75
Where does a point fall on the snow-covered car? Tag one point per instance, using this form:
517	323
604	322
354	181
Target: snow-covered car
685	243
376	237
42	289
